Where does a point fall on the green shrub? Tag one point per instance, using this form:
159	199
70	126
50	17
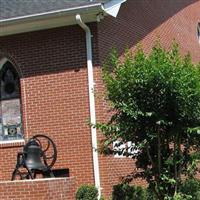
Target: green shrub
191	187
179	196
127	192
150	195
156	102
87	192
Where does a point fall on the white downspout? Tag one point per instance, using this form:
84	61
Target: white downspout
91	101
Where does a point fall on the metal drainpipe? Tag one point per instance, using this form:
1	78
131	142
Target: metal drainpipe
91	101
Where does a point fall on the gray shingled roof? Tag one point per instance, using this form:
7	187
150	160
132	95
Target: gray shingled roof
19	8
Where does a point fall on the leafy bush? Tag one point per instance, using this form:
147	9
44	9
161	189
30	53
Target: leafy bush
150	195
155	101
179	196
87	192
191	187
127	192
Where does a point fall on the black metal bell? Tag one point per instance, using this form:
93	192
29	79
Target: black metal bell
33	156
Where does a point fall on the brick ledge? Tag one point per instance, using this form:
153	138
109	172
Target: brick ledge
14	143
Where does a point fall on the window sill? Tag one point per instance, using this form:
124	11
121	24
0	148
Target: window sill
12	143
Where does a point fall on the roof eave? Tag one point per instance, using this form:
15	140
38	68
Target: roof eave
59	18
47	20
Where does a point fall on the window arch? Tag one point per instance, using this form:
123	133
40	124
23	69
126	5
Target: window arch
10	102
198	32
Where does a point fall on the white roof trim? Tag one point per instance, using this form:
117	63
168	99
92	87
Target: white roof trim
50	13
58	18
112	7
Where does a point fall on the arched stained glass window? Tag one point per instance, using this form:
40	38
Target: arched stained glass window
10	104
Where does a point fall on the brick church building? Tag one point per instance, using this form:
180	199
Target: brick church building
51	54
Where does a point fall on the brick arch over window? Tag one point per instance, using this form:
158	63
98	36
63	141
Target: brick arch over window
10	102
198	31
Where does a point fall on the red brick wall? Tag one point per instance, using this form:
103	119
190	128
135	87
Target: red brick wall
145	21
52	64
8	158
142	22
46	189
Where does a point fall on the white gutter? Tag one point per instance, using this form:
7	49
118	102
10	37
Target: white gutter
91	102
48	20
111	7
68	11
59	18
